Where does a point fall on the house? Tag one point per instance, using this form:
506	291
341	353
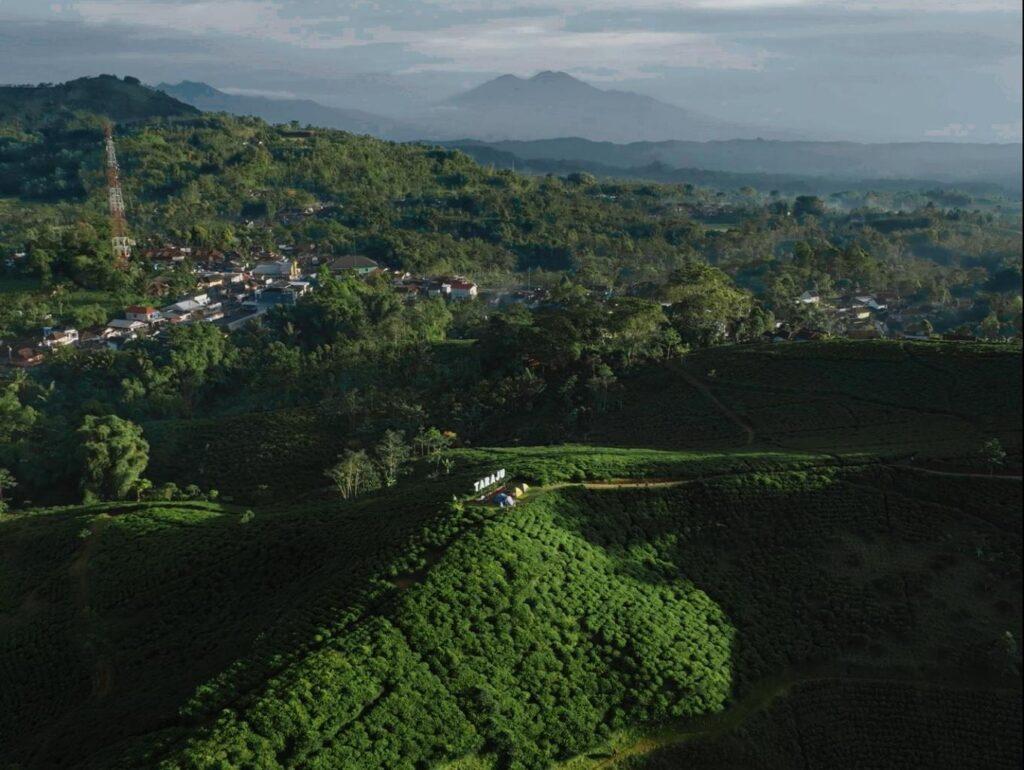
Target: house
144	313
241	317
871	302
355	263
124	327
187	309
57	338
463	289
24	357
167	255
278	268
281	292
438	289
809	298
407	292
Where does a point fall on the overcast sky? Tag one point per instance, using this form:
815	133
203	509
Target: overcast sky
871	70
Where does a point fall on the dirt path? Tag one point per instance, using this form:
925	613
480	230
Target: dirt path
960	474
729	414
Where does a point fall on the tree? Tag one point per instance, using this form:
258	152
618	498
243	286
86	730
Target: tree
392	452
990	326
432	442
993	454
705	304
112	454
142	487
7	482
15	418
636	324
353	474
808	205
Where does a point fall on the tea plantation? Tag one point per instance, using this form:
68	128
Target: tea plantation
768	599
882	397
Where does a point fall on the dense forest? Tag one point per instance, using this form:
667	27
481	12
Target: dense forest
260	547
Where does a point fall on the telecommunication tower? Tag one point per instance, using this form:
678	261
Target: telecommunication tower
120	242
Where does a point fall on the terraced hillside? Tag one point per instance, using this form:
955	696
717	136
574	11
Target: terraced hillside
639	606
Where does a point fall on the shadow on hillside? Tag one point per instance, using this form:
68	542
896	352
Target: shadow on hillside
139	609
854	570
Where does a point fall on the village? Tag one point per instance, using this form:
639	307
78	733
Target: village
231	291
867	316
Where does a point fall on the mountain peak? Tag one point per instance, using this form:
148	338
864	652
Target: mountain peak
189	89
552	76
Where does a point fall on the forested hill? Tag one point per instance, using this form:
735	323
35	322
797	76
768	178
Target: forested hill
107	95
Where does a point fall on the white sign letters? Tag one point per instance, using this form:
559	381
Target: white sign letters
488	481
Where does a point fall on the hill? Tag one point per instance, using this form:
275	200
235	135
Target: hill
120	100
588	623
305	111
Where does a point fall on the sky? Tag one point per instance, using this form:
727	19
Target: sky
866	70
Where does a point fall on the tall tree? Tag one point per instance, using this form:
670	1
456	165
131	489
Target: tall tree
353	474
392	453
7	482
112	454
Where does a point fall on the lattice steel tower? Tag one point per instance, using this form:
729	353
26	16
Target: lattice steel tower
120	242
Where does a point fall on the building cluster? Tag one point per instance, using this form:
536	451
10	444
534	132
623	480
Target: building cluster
859	316
881	315
230	291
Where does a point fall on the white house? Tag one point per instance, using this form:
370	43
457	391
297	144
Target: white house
143	313
279	268
462	289
124	327
58	338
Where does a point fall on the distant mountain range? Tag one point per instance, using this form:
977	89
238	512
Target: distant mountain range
546	106
305	111
774	162
520	106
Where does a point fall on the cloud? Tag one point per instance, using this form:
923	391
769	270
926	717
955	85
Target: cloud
852	68
1009	132
526	45
232	17
952	130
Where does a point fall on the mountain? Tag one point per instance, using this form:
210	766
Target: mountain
305	111
121	100
778	162
554	104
